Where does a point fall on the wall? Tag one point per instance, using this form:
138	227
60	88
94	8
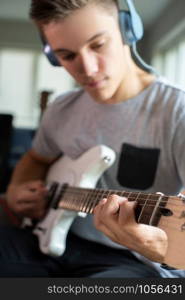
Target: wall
24	34
17	33
167	28
36	73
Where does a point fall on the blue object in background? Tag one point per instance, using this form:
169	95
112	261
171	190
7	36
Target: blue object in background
20	143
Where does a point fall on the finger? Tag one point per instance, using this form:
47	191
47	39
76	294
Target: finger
39	190
32	214
31	203
99	206
127	212
36	187
107	211
98	220
30	196
24	205
35	184
97	212
30	210
112	205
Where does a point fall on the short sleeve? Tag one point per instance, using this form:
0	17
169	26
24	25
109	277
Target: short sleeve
44	142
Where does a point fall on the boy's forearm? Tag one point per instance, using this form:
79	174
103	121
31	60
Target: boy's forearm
28	169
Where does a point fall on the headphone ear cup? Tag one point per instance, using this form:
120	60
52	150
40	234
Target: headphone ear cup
51	56
131	28
49	53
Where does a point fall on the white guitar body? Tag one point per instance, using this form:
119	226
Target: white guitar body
82	175
82	172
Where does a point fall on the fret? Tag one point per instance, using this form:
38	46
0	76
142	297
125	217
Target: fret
155	209
106	194
135	195
159	210
147	210
124	194
89	201
85	201
119	193
82	201
94	202
138	207
72	201
100	195
94	195
130	195
142	214
67	199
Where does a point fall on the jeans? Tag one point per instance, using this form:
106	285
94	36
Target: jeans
20	256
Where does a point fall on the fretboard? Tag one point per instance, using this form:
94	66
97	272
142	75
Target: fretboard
148	210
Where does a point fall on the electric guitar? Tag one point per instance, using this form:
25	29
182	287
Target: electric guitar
72	192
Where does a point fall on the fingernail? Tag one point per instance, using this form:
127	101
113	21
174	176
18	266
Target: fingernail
103	201
122	199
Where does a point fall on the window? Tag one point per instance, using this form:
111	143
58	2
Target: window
23	75
171	63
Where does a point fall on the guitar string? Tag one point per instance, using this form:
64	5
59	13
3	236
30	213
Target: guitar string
173	221
165	223
143	208
87	205
142	196
131	198
96	195
95	201
173	225
113	192
90	210
86	208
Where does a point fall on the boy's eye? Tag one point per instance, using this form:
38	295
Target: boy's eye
96	46
68	57
65	56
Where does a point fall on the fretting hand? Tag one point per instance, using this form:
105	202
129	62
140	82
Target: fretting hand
115	217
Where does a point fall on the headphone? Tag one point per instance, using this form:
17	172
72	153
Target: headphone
131	27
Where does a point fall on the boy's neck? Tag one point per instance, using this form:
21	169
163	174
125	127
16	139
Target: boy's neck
132	85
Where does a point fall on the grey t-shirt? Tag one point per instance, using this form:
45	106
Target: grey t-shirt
146	132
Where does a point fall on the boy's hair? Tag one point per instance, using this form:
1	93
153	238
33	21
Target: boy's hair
45	11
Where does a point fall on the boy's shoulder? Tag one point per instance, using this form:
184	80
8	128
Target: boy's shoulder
69	96
169	86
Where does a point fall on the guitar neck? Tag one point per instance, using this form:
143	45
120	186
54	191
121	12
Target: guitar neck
149	208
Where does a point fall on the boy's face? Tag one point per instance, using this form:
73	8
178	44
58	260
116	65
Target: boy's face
89	46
